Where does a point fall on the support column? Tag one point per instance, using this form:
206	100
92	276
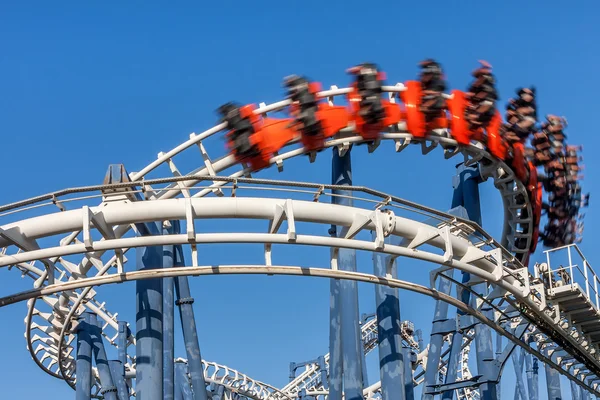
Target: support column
531	366
83	385
168	320
517	359
436	339
409	386
109	391
348	293
183	381
389	340
149	330
575	391
552	381
467	182
117	371
122	340
188	324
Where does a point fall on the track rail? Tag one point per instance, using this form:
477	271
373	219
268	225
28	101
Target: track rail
53	324
450	238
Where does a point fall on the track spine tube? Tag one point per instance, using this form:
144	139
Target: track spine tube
168	320
117	370
347	299
83	384
188	324
109	390
149	331
392	360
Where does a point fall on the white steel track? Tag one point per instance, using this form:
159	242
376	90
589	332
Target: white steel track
45	329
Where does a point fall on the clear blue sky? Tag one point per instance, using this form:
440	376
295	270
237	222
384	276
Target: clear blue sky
86	85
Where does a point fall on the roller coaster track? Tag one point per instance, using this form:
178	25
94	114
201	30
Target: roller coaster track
63	283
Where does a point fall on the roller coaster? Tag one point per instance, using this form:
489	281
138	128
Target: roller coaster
74	240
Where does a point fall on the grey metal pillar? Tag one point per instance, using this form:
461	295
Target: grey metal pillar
389	339
168	320
348	293
149	331
409	387
531	367
117	371
83	385
109	391
188	324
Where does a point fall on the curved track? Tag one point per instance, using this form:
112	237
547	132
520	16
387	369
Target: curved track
99	235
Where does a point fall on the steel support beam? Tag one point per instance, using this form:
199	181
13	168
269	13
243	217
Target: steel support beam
149	330
389	340
552	380
83	384
183	383
344	309
518	359
188	324
575	391
109	390
466	194
168	320
409	386
532	369
117	371
436	339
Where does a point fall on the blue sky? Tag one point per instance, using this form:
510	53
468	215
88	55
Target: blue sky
86	85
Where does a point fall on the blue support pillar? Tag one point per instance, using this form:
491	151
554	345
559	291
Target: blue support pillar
183	381
83	385
584	394
188	324
168	321
409	387
467	182
389	339
149	331
518	359
531	367
117	371
122	339
575	391
552	381
346	293
109	391
436	340
122	342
